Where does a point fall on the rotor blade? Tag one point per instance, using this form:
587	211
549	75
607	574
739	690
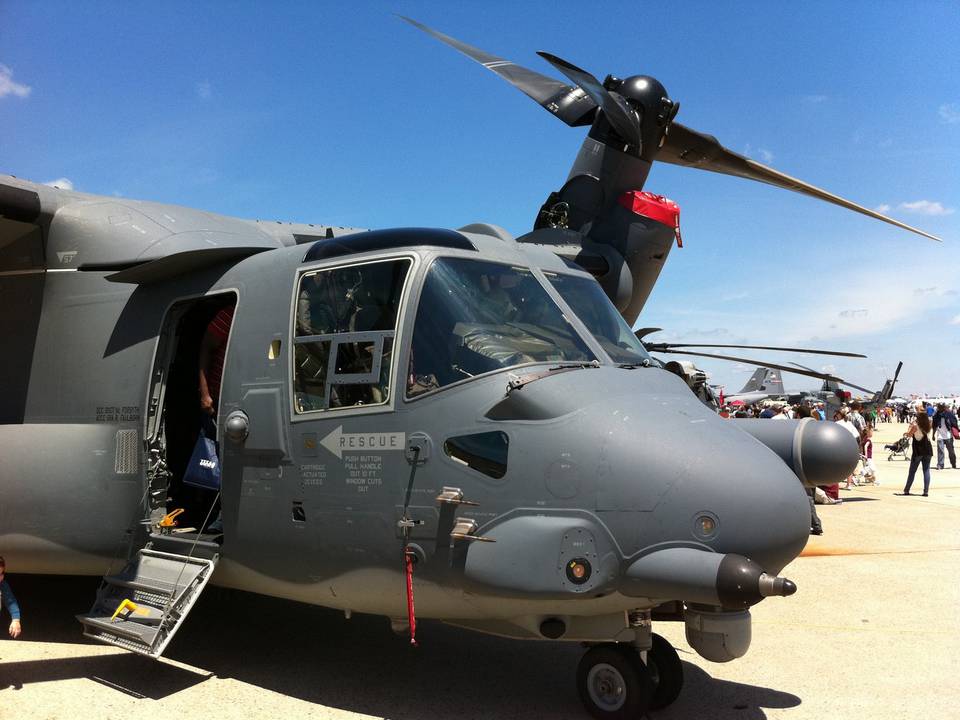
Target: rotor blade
839	380
690	148
759	363
571	104
623	118
757	347
897	373
643	332
856	387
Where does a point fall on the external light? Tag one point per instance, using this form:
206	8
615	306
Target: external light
578	571
705	525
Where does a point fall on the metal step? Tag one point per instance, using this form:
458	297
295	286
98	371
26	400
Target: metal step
155	587
128	629
143	606
202	545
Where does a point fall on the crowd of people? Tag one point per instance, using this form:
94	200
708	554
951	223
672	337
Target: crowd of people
927	424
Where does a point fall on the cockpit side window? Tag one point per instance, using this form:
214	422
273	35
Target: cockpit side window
587	299
476	317
345	327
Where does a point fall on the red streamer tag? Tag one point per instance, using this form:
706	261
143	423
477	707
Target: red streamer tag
411	613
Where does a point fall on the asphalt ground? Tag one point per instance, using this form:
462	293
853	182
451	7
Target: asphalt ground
869	635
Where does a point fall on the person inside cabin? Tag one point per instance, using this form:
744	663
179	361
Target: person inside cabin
213	351
9	601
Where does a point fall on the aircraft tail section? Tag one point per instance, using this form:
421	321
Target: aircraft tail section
755	381
886	392
764	380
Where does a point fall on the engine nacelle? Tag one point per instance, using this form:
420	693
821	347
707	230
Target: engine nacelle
820	453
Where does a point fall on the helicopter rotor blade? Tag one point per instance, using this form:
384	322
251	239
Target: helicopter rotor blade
654	347
758	363
622	117
856	387
687	147
641	333
571	104
841	381
577	105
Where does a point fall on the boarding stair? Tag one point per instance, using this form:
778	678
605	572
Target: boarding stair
142	607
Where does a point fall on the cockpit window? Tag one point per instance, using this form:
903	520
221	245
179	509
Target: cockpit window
346	323
595	310
475	317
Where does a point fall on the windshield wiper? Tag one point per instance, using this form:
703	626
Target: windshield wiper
633	366
516	382
575	365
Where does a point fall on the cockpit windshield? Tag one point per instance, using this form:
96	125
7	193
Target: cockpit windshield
476	316
595	310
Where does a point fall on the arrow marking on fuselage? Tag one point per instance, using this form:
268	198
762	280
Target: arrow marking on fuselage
339	442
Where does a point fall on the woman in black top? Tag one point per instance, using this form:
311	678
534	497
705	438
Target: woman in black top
919	433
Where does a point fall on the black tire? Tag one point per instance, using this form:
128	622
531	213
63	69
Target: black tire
613	683
666	673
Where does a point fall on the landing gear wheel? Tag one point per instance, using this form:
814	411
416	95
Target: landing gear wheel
613	683
666	672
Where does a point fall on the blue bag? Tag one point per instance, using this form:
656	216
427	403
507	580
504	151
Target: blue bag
203	471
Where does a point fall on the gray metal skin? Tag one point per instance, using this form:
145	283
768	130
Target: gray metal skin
609	463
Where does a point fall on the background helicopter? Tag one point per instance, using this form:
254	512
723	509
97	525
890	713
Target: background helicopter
140	336
765	383
834	396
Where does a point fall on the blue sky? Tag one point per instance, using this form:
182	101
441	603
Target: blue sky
342	114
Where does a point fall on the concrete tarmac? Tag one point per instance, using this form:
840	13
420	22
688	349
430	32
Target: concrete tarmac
869	634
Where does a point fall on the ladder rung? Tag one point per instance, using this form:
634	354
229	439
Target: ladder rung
160	588
133	630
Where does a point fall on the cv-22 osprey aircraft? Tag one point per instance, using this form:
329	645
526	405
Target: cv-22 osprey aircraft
458	417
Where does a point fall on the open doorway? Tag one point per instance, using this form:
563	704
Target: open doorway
176	415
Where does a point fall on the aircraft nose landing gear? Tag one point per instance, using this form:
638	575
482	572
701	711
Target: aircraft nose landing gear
614	683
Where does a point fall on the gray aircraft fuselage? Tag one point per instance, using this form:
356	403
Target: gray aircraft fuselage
609	462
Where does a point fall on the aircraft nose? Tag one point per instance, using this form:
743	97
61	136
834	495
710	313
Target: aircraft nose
696	477
753	505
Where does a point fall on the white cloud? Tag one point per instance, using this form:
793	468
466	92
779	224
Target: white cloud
61	183
204	90
763	154
955	321
883	208
815	99
925	207
9	87
872	312
950	113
